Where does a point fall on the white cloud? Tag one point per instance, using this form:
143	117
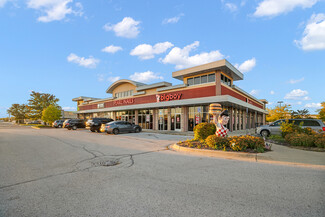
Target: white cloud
313	105
231	7
254	92
180	56
314	34
173	19
145	76
272	92
3	2
246	66
297	94
54	9
127	28
112	49
91	62
67	108
100	77
146	51
113	79
271	8
292	81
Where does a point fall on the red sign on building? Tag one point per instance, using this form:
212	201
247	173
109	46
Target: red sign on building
168	97
123	102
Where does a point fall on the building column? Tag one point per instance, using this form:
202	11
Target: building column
218	83
185	119
250	120
235	119
114	116
244	119
183	109
155	119
136	115
264	119
254	119
240	112
231	118
169	119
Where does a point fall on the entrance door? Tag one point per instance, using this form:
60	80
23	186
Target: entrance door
178	122
125	118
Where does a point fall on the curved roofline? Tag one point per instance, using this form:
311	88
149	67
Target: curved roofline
122	81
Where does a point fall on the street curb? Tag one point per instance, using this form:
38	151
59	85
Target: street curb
250	157
36	128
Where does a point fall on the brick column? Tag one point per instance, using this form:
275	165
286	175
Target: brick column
169	119
264	119
185	119
235	119
240	112
244	119
136	115
155	119
254	119
231	117
114	116
183	109
218	83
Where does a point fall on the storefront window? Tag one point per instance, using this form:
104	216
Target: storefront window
145	119
175	114
201	79
198	114
162	119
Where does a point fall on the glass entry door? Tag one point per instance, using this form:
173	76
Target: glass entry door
178	122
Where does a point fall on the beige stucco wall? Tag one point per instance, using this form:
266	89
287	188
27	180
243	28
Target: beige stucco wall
124	87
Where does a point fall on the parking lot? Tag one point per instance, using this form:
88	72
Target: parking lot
57	172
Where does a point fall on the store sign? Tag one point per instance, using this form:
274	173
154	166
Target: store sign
123	102
168	97
147	118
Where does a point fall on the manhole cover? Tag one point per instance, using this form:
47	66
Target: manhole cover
109	163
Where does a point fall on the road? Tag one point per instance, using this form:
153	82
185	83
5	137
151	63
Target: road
56	172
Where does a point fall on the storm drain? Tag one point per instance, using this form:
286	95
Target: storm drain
108	163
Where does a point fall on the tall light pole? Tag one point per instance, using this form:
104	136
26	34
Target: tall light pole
280	103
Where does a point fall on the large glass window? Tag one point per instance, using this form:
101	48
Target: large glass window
198	114
162	119
201	79
225	80
145	119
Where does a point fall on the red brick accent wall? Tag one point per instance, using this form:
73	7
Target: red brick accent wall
227	91
186	94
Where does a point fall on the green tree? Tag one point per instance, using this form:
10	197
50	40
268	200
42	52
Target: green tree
300	114
38	102
278	113
321	112
51	113
18	111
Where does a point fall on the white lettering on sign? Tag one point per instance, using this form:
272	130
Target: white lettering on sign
123	102
168	97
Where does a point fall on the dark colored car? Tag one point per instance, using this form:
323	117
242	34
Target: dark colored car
58	123
117	127
74	124
94	124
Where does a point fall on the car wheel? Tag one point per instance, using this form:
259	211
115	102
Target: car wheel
92	130
116	131
137	130
74	127
265	133
60	126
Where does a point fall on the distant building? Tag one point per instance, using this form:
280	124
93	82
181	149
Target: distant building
68	114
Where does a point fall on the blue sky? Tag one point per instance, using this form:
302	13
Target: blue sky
75	48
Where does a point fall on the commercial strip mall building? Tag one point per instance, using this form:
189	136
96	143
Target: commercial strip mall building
161	106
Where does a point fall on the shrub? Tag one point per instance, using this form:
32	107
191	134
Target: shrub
300	139
216	142
203	130
241	143
287	128
320	140
308	131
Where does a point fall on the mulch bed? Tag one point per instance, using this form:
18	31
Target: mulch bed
198	145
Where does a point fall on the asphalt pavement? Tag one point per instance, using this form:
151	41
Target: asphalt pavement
56	172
